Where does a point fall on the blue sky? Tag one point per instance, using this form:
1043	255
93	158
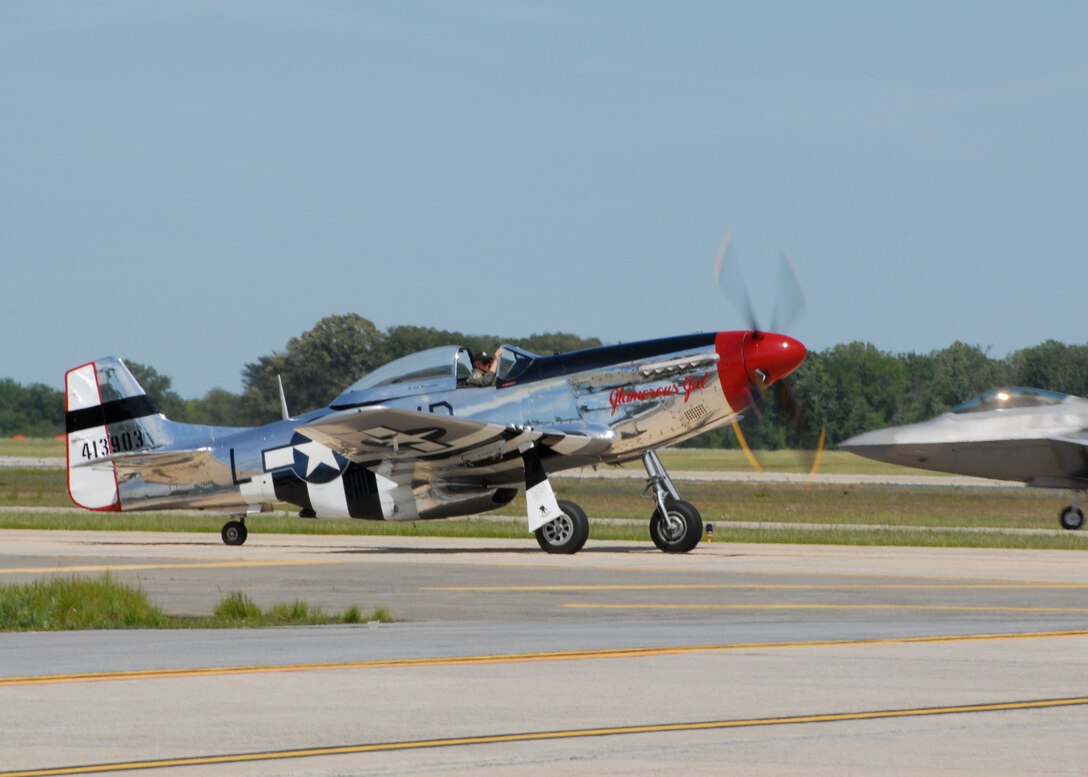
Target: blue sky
190	185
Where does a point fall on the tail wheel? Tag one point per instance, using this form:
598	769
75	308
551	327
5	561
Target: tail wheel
679	530
234	533
567	533
1072	518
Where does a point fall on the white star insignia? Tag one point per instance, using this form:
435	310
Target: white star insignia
317	454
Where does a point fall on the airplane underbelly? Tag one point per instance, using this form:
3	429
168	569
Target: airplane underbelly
363	493
986	459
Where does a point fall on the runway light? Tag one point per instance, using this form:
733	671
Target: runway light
710	532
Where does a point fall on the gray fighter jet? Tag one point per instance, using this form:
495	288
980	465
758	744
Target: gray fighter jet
1028	435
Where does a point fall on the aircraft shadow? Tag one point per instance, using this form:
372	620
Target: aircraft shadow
392	550
387	550
415	551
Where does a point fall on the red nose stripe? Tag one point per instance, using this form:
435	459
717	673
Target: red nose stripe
731	373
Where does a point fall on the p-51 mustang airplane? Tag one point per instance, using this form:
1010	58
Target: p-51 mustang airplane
415	439
1028	435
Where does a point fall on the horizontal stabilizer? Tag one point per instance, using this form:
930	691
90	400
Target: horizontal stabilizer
167	467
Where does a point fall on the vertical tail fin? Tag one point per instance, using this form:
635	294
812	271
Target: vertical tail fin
107	413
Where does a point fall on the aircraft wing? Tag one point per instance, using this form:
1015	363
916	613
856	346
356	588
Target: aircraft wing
367	435
167	467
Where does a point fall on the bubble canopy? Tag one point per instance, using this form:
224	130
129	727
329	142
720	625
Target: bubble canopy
436	369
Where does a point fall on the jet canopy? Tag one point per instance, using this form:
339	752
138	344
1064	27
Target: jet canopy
1005	398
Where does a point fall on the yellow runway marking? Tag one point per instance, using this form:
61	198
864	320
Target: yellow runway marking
925	607
515	658
181	565
749	586
539	736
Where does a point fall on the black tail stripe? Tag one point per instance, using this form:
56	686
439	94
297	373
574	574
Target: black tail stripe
112	412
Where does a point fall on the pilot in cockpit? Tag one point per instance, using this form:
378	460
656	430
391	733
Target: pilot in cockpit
483	369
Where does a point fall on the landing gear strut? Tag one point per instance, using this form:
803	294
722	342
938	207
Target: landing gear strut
235	532
1072	517
675	526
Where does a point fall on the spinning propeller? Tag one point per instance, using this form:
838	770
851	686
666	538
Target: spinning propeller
789	303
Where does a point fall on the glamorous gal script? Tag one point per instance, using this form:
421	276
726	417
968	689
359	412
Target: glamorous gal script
624	396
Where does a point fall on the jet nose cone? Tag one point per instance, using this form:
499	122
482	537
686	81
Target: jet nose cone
769	357
876	438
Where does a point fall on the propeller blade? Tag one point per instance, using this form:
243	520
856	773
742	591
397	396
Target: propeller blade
798	427
791	409
744	446
819	452
730	280
754	400
789	296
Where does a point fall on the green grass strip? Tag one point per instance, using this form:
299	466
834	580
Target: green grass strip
74	603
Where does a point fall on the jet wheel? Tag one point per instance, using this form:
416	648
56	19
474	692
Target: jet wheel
1072	518
567	533
680	530
234	533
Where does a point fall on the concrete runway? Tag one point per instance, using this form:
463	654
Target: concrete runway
734	659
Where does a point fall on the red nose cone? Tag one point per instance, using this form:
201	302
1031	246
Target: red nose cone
769	357
748	359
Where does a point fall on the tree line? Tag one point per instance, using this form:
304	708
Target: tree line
846	389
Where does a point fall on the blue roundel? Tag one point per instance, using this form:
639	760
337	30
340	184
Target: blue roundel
315	463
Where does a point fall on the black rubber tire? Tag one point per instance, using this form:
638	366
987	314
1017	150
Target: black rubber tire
234	533
567	533
689	528
1072	518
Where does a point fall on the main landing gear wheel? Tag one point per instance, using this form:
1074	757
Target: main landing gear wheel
234	532
567	533
679	530
1072	518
